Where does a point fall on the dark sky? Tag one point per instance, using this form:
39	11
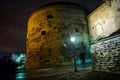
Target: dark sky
13	20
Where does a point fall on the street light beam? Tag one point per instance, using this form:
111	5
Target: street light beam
72	39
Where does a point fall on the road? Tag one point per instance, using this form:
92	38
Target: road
49	73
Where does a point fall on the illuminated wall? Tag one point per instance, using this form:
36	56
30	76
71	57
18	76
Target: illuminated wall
104	28
115	6
101	22
48	36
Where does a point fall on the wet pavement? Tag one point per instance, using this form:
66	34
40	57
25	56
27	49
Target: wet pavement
43	74
54	73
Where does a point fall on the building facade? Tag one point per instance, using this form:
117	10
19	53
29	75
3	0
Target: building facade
104	27
50	29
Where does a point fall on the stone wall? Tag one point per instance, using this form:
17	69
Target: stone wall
115	7
106	55
48	37
100	20
104	29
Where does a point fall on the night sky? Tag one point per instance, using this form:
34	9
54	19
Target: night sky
14	15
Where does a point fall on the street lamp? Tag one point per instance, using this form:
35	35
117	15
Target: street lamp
73	40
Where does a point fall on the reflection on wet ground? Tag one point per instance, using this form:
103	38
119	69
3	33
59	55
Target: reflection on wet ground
30	74
20	75
17	76
46	73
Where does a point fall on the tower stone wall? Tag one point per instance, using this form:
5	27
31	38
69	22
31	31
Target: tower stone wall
104	28
115	6
48	37
100	20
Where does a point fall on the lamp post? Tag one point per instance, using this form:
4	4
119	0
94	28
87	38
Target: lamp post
73	40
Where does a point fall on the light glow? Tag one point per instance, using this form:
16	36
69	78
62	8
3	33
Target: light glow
72	39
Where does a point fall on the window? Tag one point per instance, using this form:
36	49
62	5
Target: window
43	33
47	61
49	16
40	58
76	30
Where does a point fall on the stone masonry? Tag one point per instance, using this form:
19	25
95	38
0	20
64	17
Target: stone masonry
48	37
115	6
106	55
99	22
51	27
104	28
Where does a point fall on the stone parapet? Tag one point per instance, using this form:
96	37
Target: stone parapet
106	54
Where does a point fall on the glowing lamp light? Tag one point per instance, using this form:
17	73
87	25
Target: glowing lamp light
72	39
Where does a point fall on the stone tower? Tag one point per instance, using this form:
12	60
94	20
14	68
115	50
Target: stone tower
48	36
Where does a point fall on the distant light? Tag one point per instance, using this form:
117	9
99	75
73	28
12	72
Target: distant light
17	58
72	39
65	44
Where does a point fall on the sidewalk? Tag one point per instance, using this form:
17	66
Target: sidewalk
55	72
